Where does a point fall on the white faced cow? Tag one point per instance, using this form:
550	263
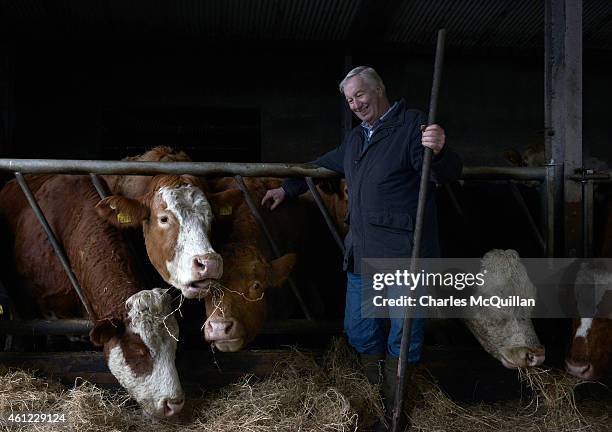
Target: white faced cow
176	219
140	351
129	320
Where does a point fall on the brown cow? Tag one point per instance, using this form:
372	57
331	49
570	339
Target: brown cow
590	355
139	348
176	219
237	307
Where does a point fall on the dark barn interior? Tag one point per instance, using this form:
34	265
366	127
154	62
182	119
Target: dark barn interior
256	81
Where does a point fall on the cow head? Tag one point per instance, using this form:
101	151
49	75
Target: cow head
506	334
237	308
510	340
176	219
140	351
590	354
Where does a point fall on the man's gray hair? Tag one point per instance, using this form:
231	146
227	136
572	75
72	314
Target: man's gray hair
368	74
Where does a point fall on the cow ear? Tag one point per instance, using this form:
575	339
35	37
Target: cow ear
281	268
225	203
105	330
122	212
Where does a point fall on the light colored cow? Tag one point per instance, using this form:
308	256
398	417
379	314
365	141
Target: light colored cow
508	337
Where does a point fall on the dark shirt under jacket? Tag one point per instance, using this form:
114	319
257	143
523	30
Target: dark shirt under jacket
383	185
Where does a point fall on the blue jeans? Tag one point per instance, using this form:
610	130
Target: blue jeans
377	335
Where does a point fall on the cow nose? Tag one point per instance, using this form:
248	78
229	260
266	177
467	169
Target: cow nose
216	329
173	406
584	371
535	357
208	266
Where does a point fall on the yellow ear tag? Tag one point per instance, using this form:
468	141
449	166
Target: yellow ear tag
225	210
123	218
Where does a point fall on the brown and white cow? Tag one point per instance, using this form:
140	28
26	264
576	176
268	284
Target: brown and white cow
176	218
508	337
134	326
590	355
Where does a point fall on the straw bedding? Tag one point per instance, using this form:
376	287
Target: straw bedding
306	394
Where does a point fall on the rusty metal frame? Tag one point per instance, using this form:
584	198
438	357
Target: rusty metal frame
36	166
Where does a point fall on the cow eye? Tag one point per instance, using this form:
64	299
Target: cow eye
256	289
163	219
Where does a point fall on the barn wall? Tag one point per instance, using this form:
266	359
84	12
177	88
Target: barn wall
488	104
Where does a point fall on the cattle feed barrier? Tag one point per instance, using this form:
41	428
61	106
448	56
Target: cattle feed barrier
63	327
217	169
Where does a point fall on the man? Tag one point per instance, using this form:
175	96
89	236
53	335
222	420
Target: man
381	160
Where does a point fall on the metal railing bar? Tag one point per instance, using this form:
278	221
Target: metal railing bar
218	169
59	252
82	327
99	185
56	166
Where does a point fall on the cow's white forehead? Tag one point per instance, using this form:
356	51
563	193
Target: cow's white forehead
149	314
186	202
584	327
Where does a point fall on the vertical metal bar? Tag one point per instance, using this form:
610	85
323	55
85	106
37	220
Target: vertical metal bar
407	328
550	208
57	248
325	213
100	187
257	215
563	112
525	209
587	215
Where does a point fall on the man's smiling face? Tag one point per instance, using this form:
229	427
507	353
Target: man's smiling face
368	102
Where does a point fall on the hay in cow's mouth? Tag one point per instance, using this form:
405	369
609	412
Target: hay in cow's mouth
307	394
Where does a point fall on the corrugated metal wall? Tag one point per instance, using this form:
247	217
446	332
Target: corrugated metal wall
470	23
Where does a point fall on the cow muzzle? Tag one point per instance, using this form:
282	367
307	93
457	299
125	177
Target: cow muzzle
522	357
205	270
226	334
580	370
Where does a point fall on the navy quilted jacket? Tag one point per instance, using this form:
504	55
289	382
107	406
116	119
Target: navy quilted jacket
383	185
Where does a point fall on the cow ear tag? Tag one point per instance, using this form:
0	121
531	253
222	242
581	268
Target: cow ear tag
225	210
123	218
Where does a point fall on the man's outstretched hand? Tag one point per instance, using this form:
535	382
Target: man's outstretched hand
273	198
